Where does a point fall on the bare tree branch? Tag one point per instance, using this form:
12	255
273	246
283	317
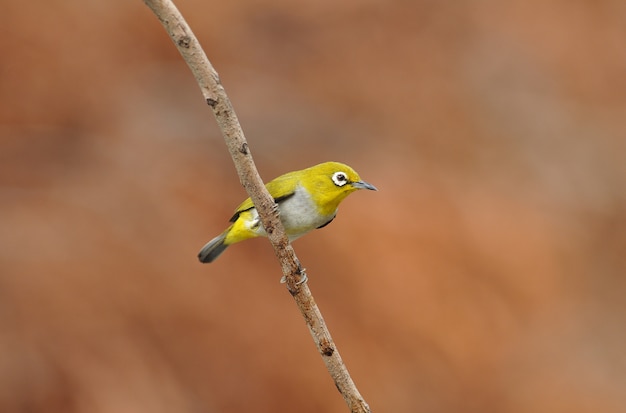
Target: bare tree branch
216	98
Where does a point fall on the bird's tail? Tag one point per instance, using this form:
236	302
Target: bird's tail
213	248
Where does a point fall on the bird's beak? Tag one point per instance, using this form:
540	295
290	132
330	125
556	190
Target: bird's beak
363	185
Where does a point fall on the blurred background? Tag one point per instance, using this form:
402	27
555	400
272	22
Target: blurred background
487	274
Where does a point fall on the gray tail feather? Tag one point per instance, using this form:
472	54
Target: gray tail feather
212	249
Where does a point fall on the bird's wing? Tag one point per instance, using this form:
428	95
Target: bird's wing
280	188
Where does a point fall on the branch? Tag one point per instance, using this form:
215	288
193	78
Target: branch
215	96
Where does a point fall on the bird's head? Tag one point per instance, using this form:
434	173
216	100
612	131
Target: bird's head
330	182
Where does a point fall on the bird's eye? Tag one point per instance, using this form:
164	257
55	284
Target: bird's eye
340	178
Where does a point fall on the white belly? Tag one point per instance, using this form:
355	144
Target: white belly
298	214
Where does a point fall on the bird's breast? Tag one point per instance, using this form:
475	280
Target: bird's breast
299	214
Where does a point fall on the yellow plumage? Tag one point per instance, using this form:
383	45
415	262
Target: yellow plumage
307	199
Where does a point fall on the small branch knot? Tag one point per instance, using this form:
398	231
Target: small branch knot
244	148
326	348
211	102
184	41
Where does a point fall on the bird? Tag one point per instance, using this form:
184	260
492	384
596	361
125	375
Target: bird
307	199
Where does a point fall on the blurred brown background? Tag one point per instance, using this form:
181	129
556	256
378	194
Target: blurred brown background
486	275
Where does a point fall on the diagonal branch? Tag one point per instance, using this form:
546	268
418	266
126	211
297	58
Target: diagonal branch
215	96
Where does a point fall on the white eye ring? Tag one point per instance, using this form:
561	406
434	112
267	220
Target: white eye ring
340	178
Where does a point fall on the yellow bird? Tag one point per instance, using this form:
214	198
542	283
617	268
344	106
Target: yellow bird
307	199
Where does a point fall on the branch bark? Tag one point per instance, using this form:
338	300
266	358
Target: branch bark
215	96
